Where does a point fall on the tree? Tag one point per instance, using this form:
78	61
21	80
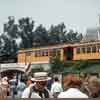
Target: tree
40	36
10	28
56	65
73	36
57	34
79	37
26	26
9	36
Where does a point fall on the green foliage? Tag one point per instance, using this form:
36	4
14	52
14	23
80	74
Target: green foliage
38	69
73	37
57	34
8	39
81	64
26	26
56	65
40	36
72	66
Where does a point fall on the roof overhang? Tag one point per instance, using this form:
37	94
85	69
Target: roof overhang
12	66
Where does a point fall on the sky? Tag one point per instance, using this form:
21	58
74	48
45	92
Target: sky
76	14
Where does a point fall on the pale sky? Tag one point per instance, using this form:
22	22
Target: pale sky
76	14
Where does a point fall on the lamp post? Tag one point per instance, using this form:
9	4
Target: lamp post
0	72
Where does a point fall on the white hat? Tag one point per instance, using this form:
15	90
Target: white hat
4	78
32	79
41	76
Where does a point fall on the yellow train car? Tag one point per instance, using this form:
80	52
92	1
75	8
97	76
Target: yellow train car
76	51
85	51
41	55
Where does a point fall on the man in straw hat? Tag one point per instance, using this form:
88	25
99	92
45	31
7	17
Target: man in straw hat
39	90
74	84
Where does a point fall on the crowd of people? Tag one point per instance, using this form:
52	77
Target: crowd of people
43	86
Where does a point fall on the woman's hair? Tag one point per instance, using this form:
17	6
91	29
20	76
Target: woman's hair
74	81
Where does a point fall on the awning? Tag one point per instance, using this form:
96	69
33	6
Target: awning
12	66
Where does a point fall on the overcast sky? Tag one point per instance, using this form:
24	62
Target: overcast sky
76	14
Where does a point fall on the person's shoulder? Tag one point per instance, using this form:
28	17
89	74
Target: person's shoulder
26	89
72	93
55	83
25	93
23	83
80	93
84	95
61	95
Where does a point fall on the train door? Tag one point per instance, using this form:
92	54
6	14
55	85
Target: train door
68	52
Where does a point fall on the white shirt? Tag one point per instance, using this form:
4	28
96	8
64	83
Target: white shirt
56	87
35	95
72	93
26	92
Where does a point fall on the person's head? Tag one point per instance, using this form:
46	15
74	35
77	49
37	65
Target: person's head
73	82
83	76
4	80
29	81
41	84
94	87
56	79
41	79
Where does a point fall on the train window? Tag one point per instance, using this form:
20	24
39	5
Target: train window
93	49
28	53
45	53
52	52
58	53
33	53
37	53
42	53
98	48
88	49
78	50
83	49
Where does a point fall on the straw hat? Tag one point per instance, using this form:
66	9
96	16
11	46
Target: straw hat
32	79
4	80
41	76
